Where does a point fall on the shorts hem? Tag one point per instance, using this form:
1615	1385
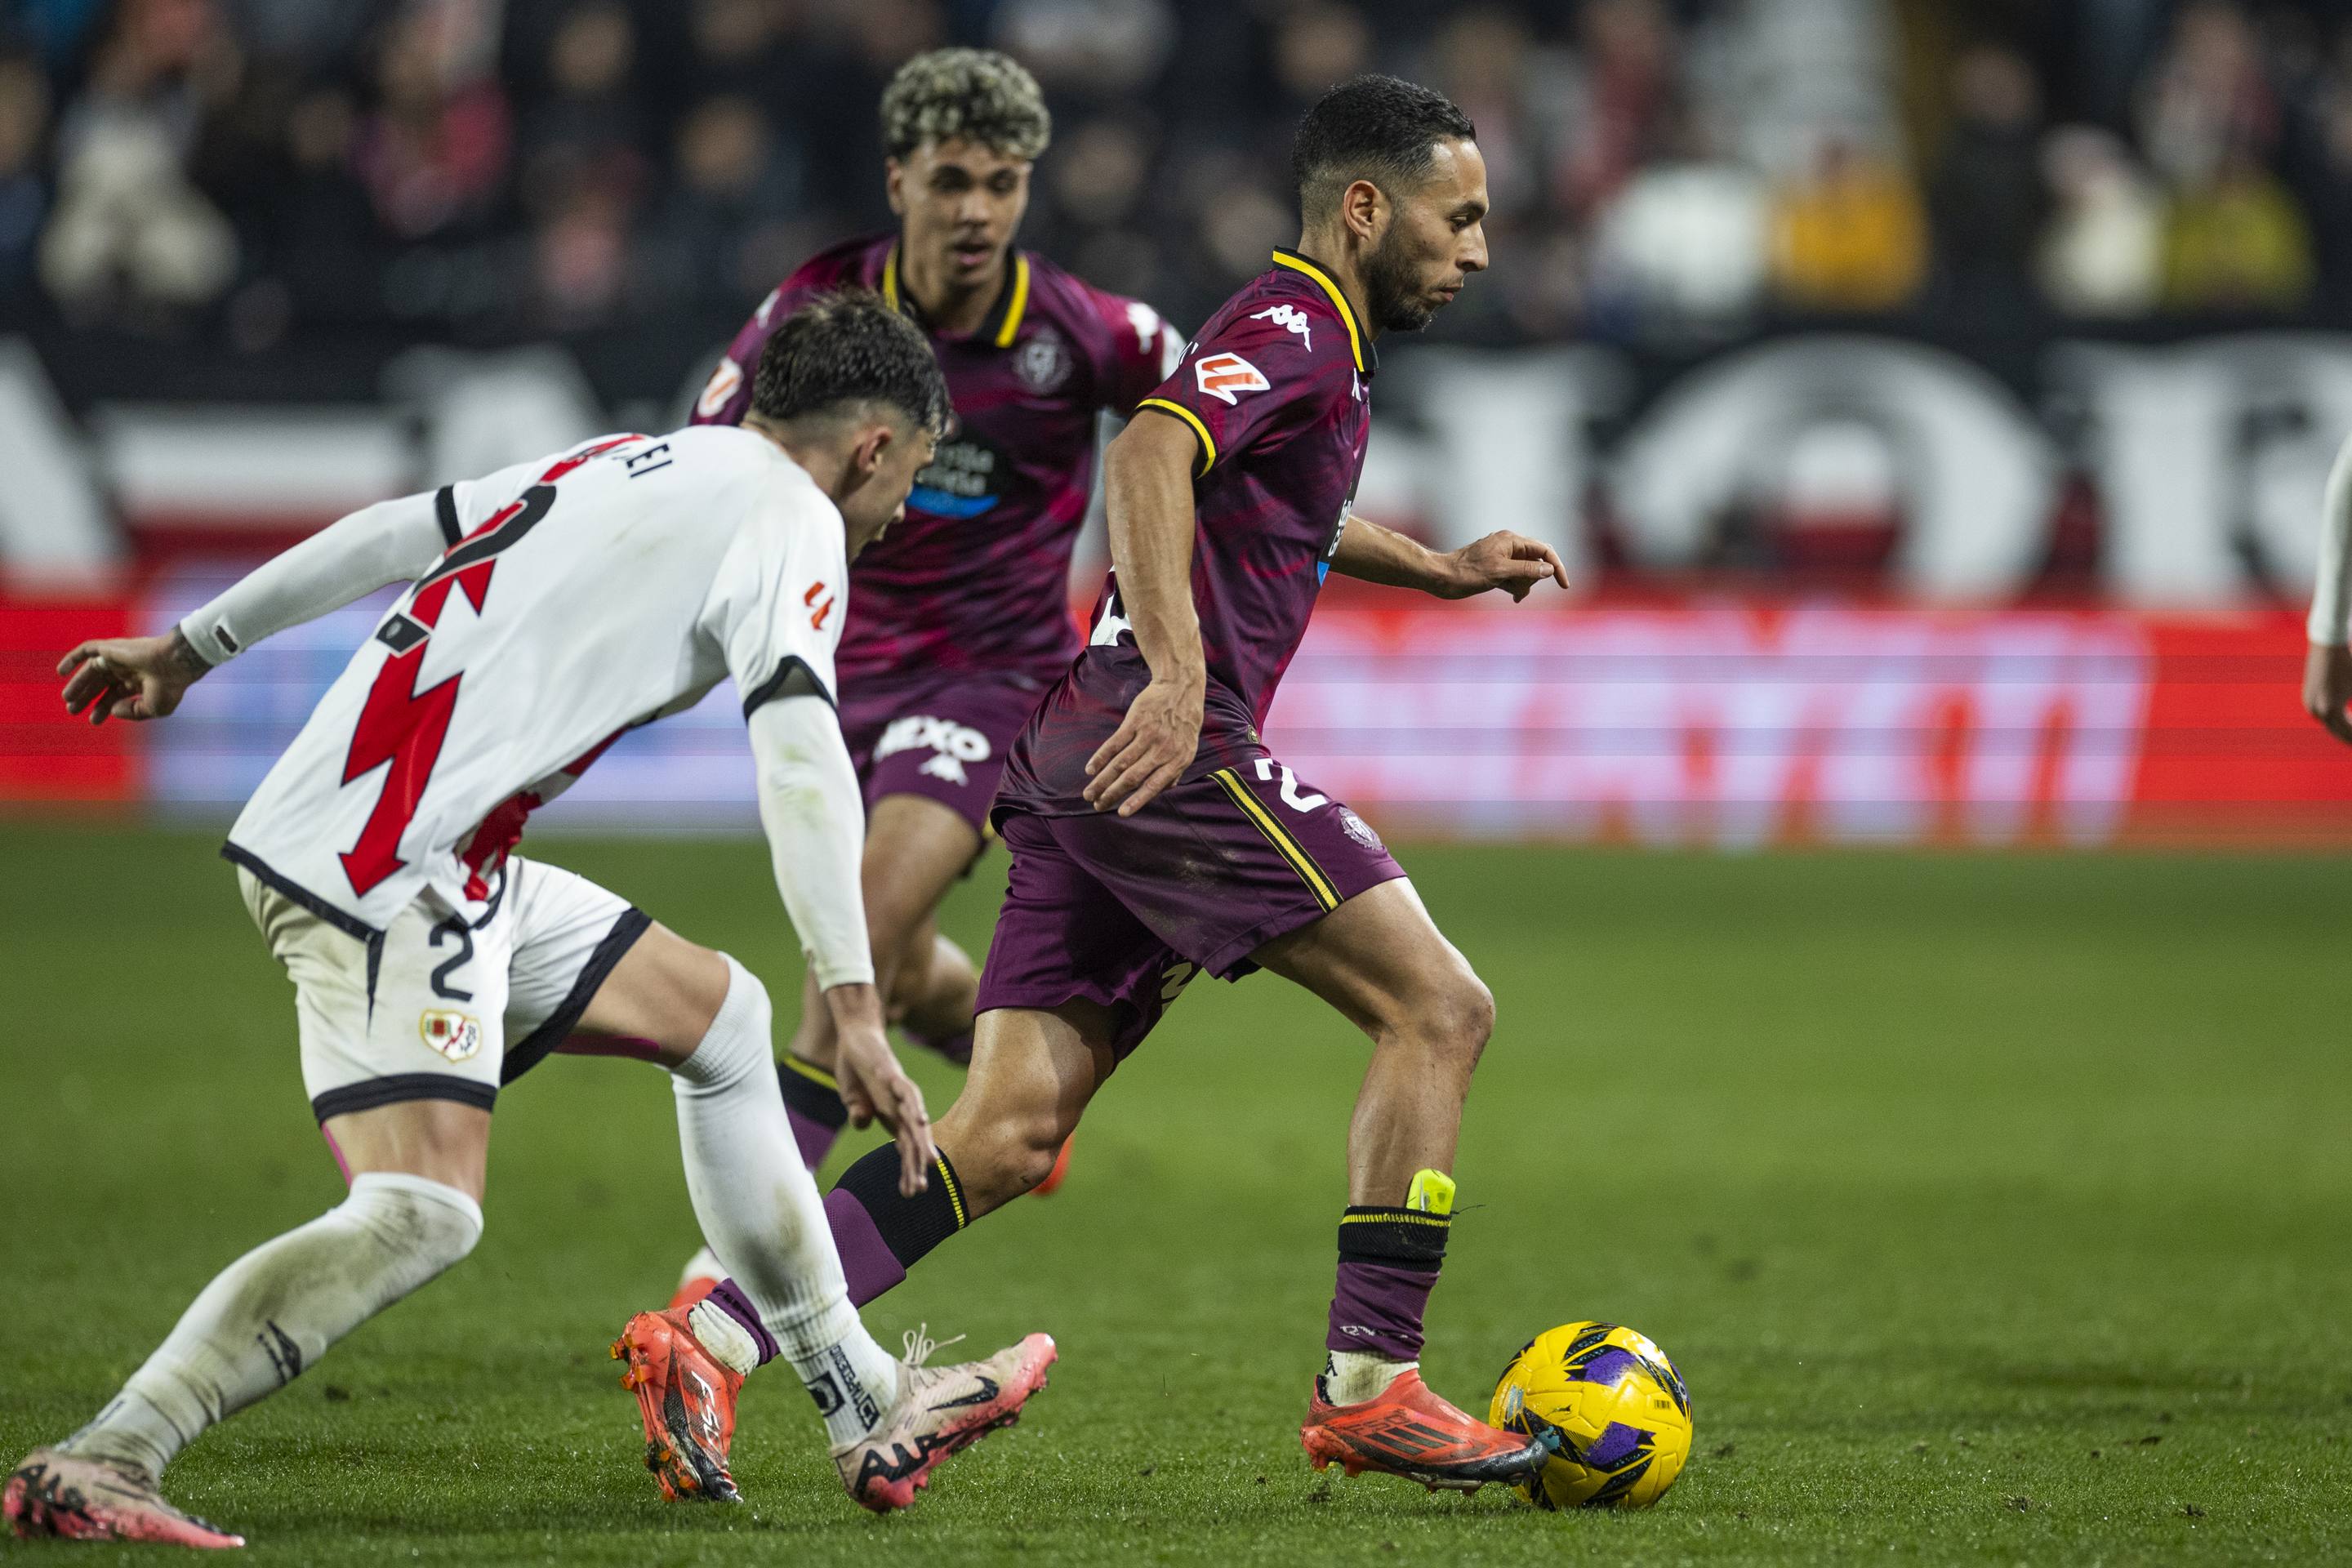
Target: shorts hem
370	1094
536	1046
1232	961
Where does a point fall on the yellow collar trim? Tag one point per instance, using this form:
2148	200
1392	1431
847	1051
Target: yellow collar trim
1016	297
1298	263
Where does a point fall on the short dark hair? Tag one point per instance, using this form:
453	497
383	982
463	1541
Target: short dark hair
1376	128
845	348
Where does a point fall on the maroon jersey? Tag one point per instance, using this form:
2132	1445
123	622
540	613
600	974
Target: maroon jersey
977	576
1275	391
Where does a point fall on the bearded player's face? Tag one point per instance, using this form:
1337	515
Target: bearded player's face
1436	240
959	206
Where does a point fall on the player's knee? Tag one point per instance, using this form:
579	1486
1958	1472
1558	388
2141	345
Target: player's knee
1461	1017
1010	1155
414	1216
735	1042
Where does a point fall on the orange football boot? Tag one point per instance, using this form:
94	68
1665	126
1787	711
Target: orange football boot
73	1498
1406	1430
685	1396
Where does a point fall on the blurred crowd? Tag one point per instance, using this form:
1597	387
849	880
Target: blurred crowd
1661	169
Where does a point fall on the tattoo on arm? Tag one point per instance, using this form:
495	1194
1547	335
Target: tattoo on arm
184	657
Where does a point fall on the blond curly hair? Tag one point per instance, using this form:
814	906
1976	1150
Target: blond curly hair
971	95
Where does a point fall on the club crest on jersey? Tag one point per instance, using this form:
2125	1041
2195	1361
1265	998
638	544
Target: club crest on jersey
1044	361
456	1036
724	384
955	745
1292	318
1357	828
1225	375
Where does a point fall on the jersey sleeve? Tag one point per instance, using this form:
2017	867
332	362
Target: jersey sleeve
1139	351
1257	379
728	394
782	594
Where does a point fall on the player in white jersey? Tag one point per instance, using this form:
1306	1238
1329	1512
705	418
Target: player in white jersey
551	607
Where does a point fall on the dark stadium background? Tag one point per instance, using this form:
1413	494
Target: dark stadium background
1932	398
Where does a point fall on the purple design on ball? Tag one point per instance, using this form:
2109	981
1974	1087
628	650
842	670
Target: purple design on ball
1614	1447
1607	1366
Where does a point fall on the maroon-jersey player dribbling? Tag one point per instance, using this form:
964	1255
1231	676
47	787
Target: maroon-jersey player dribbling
959	618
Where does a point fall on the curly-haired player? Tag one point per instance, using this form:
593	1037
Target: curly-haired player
960	620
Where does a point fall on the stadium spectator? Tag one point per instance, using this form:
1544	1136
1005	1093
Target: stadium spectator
24	196
1849	236
1988	196
434	154
2102	253
129	228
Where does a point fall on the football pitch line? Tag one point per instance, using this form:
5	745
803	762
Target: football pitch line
1995	1208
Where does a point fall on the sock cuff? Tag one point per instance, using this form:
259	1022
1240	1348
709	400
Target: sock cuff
908	1226
812	1091
1399	1237
369	1183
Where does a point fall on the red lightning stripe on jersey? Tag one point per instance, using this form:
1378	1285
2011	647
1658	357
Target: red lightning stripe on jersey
405	727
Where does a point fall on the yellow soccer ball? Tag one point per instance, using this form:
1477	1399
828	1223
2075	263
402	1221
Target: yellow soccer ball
1618	1407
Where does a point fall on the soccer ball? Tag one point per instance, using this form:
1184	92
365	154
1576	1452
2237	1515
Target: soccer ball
1618	1407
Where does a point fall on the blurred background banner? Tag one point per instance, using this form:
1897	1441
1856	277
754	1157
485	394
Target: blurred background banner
1932	397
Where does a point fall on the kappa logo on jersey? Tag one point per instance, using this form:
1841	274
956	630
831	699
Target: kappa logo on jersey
955	743
724	384
1225	374
1291	317
457	1036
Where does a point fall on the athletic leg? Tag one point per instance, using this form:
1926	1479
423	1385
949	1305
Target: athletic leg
1381	962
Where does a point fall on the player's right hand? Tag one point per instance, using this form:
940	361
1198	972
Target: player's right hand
1149	749
2327	687
874	1086
130	678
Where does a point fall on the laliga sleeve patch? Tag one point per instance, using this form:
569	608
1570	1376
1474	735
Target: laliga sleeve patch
1226	374
723	385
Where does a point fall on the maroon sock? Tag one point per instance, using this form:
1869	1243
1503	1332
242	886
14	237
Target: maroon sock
813	1105
879	1232
1388	1260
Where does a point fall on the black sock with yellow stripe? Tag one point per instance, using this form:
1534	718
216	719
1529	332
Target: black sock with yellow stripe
908	1226
813	1105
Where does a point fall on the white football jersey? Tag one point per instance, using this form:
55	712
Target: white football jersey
580	595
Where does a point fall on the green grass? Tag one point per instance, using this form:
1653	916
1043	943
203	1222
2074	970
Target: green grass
1995	1208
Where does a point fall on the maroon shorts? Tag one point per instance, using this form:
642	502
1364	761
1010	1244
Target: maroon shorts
1125	911
943	736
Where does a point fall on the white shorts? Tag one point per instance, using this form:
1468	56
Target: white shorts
428	1010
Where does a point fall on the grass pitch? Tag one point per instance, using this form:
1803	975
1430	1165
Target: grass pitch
1995	1208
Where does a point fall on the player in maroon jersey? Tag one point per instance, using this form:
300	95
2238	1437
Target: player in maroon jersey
1154	835
959	618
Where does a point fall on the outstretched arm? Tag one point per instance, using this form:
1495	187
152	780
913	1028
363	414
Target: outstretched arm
2328	665
816	821
144	678
1511	562
1148	494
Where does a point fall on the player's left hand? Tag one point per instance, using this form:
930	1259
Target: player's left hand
2327	687
130	678
1511	562
874	1087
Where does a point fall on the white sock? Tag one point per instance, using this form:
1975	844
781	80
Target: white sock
1350	1377
760	1213
275	1311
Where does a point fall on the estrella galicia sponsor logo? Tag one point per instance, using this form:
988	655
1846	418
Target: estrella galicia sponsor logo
953	745
964	479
